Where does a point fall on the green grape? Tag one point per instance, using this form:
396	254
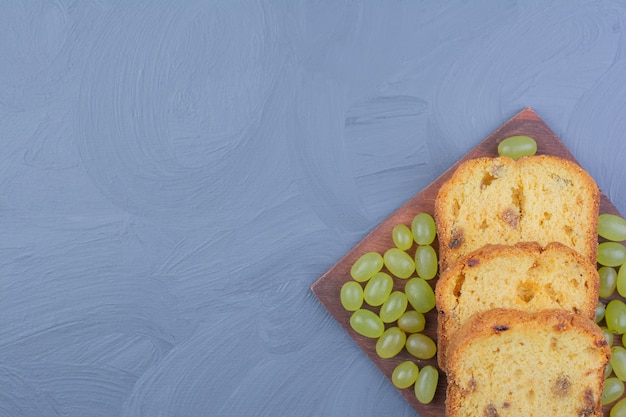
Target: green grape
420	295
611	254
351	296
421	346
390	343
612	227
366	266
412	321
608	281
619	409
402	237
613	389
615	316
600	312
426	384
608	370
618	362
608	335
424	229
517	146
623	340
405	374
426	262
367	323
394	307
621	280
399	263
377	289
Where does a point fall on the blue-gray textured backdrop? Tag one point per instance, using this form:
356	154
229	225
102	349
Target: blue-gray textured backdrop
175	175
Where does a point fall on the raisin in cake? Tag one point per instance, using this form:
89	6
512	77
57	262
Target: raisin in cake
513	363
502	201
524	277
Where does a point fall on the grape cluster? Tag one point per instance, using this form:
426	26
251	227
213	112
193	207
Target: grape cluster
400	319
612	272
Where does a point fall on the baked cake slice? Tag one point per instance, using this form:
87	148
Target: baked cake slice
524	277
502	201
513	363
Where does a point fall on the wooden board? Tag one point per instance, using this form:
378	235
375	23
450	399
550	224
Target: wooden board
328	286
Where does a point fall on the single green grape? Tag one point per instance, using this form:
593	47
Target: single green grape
399	263
623	340
608	281
608	370
394	307
517	146
618	362
611	254
421	346
426	262
412	321
390	343
600	312
615	316
351	295
402	237
620	281
619	409
424	229
612	227
366	266
367	323
420	295
405	374
426	384
608	335
613	389
377	289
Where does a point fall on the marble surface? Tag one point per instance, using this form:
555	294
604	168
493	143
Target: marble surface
175	175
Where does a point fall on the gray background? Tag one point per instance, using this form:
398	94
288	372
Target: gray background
175	175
